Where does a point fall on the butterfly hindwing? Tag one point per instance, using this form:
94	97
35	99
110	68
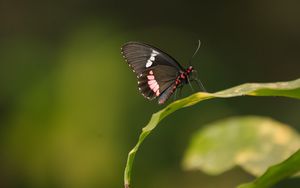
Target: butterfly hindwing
155	81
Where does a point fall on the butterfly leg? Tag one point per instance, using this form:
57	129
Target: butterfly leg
200	85
180	91
175	95
189	81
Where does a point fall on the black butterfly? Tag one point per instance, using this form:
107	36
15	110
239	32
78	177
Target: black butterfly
158	74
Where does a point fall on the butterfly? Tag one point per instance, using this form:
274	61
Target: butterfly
158	74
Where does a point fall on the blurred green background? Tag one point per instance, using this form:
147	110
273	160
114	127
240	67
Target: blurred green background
70	110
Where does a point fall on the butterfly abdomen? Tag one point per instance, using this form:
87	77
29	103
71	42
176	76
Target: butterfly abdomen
166	94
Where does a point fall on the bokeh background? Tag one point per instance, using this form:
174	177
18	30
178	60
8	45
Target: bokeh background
69	106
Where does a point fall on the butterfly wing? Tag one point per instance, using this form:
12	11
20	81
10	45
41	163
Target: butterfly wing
156	80
156	71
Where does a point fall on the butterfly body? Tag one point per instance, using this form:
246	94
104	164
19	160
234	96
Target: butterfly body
158	74
181	80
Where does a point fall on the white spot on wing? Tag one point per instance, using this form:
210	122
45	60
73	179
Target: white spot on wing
155	52
149	63
152	58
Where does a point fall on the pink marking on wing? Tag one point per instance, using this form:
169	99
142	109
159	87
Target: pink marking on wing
150	77
151	72
151	82
152	86
157	93
155	88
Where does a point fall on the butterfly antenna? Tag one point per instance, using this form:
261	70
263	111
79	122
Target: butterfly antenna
198	81
196	51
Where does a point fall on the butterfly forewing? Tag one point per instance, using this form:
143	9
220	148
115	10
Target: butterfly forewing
142	56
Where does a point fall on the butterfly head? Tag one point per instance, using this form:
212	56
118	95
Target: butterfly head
193	76
192	73
189	70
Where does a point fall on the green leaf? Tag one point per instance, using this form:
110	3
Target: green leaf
247	141
287	89
276	173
